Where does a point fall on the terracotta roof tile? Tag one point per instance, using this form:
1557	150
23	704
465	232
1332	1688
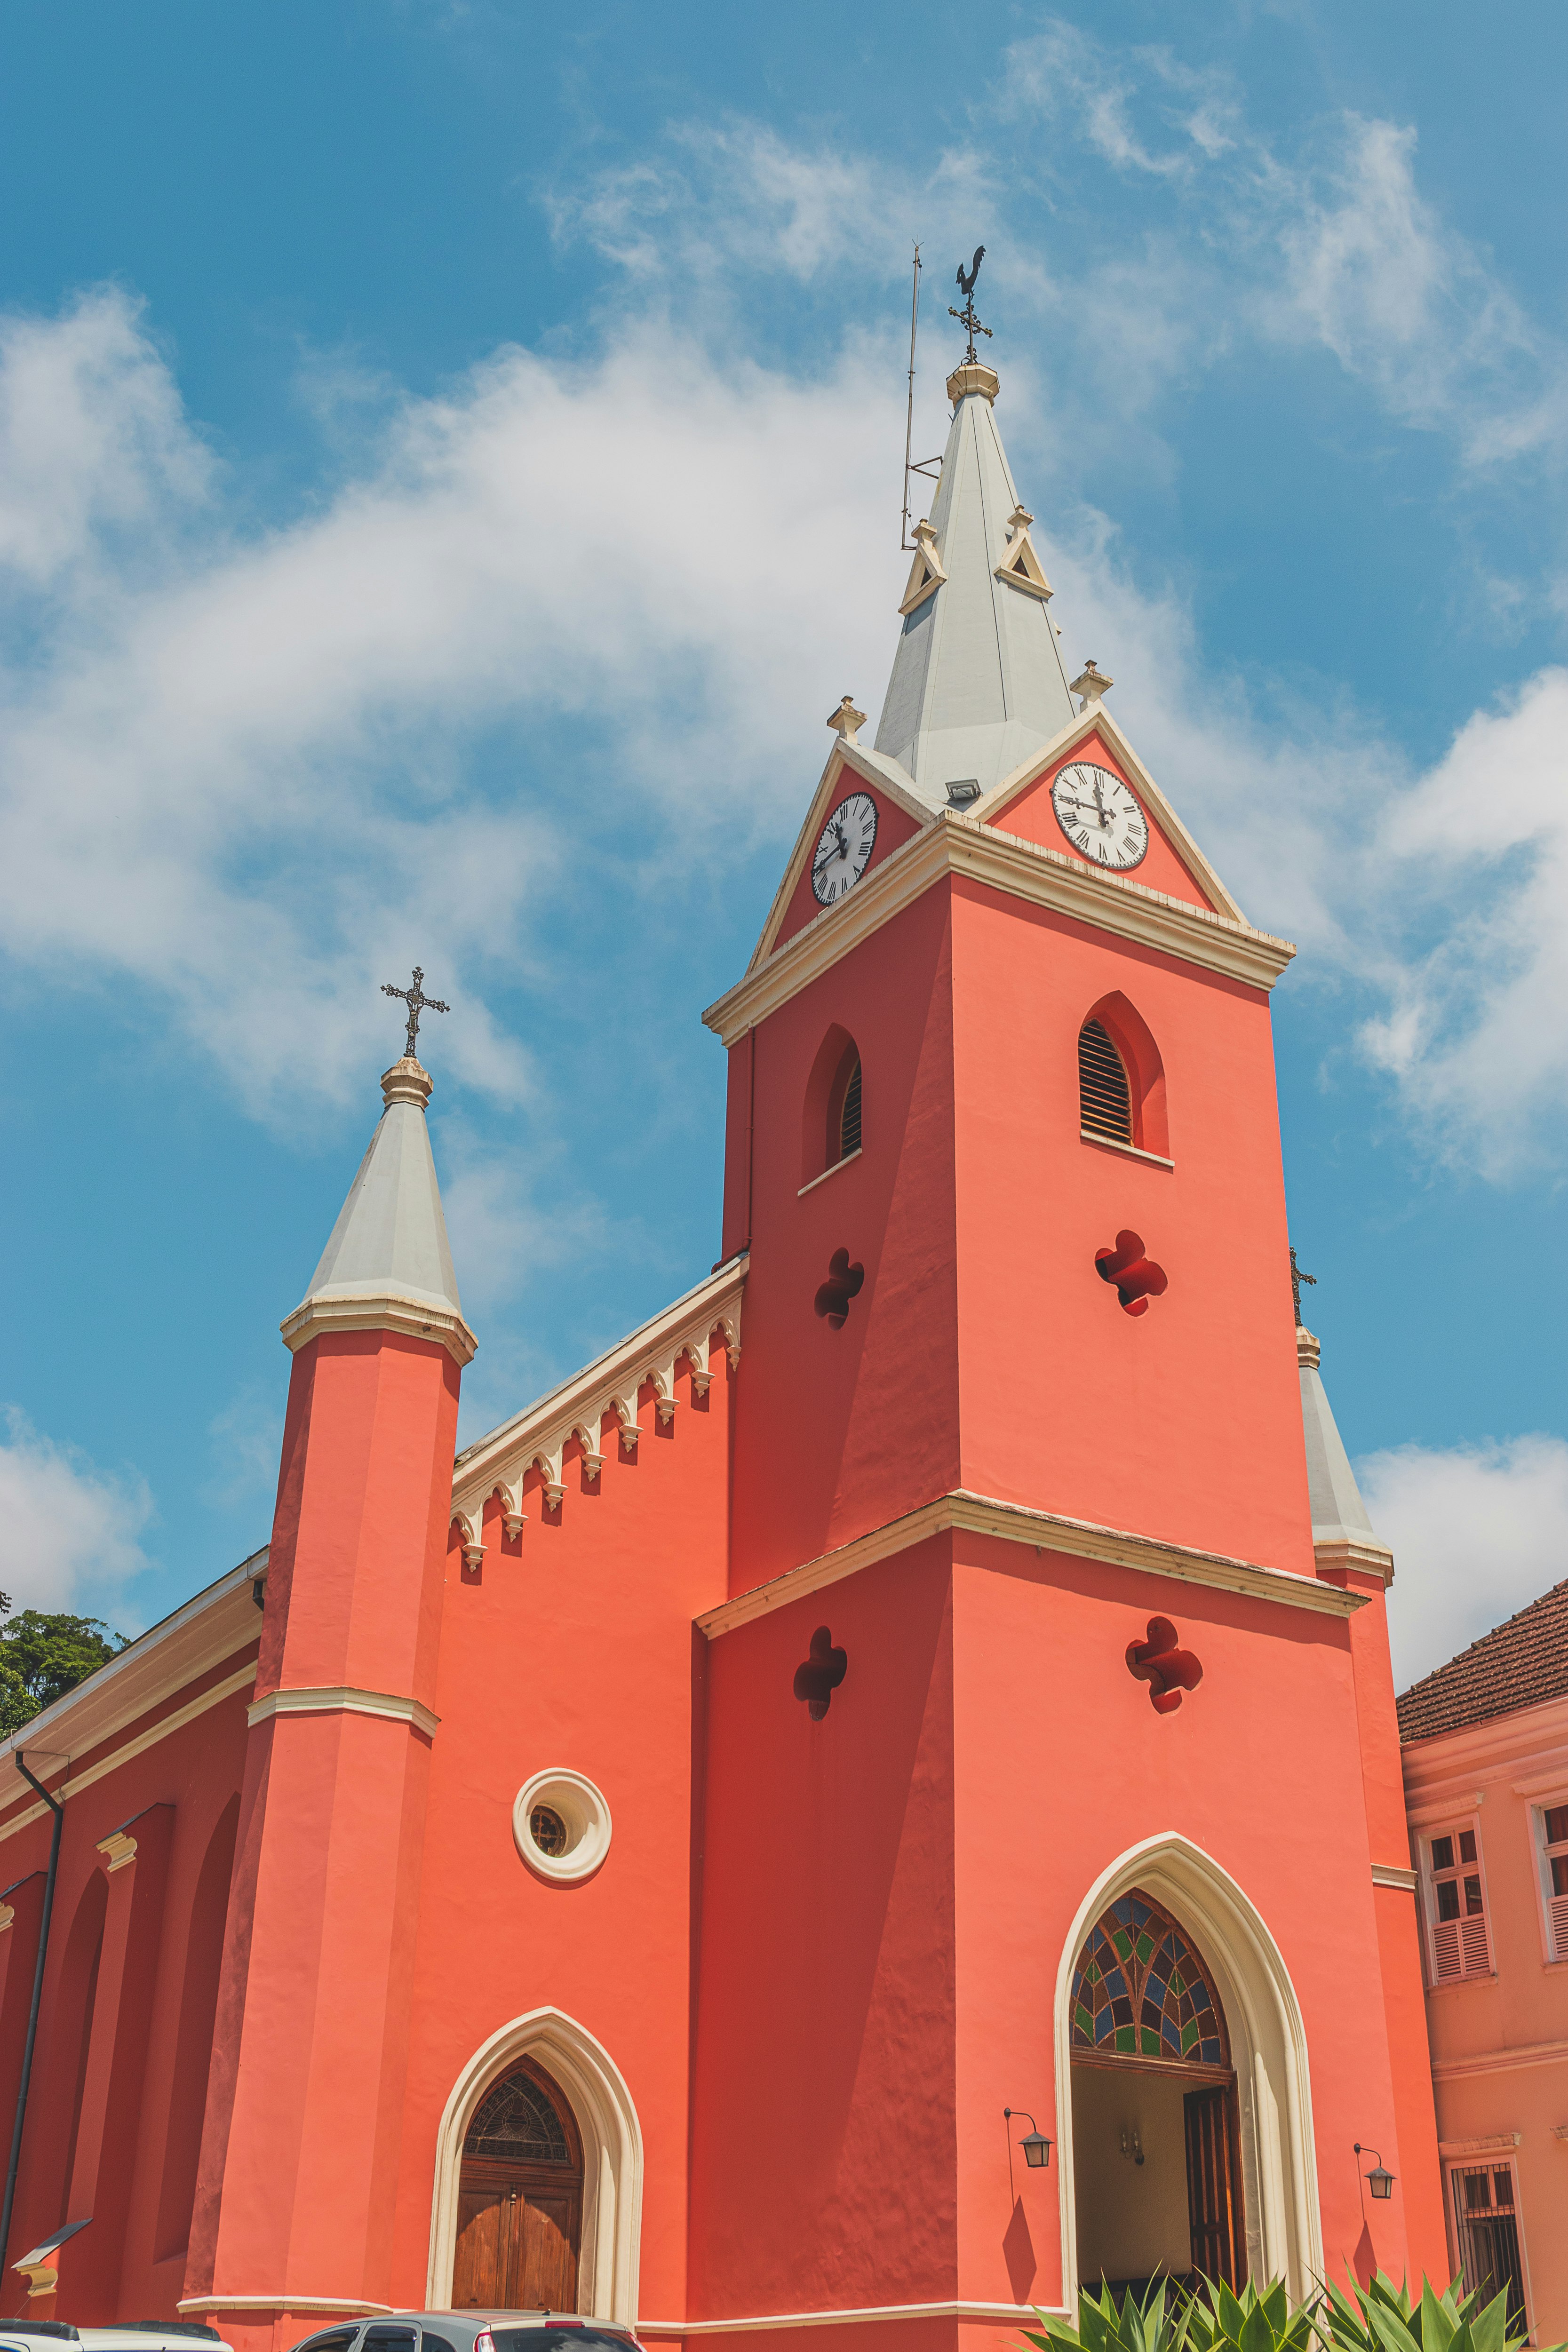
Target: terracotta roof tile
1520	1663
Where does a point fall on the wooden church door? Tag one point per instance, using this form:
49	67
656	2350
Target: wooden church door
1212	2207
519	2200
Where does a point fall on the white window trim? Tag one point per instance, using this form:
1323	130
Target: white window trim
1451	1825
1539	1810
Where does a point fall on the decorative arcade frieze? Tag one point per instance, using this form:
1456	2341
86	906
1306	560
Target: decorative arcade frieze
606	1391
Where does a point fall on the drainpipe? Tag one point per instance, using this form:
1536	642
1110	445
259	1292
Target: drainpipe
13	2167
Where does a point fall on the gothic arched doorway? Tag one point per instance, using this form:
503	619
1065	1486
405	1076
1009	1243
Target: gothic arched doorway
1155	2154
520	2198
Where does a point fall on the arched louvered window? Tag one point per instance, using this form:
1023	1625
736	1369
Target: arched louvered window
849	1115
1105	1101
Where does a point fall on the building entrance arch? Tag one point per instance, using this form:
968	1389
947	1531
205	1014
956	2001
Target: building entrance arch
538	2175
1195	2059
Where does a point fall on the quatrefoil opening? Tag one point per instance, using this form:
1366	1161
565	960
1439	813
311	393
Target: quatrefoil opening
819	1674
1137	1279
843	1281
1164	1665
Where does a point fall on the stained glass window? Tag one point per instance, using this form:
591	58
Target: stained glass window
516	2124
1140	1991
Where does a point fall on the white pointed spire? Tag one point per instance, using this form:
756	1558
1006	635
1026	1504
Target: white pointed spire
977	682
1343	1532
387	1266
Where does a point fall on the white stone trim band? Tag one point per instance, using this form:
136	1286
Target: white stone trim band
1499	2061
413	1318
1046	1531
340	1698
1385	1874
868	2315
354	2305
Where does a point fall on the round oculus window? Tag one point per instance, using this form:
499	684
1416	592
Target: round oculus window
562	1825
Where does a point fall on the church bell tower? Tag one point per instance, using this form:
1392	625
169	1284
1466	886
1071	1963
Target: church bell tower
1020	1447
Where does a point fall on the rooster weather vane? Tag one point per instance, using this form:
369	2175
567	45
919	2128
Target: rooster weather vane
966	318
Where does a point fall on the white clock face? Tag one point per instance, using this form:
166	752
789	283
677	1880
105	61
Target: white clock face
1101	815
844	848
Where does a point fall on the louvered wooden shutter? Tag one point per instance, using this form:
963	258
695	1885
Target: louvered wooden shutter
1558	1911
1105	1104
1554	1822
1460	1945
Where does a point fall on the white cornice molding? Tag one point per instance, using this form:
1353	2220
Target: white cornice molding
1388	1874
1501	2062
866	769
1043	1531
1446	1766
957	844
537	1437
177	1651
243	1678
342	1699
1340	1555
1097	719
400	1311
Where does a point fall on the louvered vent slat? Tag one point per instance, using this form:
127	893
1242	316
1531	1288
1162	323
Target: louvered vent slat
1105	1104
849	1122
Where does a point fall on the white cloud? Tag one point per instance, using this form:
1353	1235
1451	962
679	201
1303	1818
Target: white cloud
242	783
1476	1030
1328	241
1476	1532
92	440
68	1530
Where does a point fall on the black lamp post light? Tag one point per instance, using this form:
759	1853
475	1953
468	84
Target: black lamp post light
1037	2148
1379	2181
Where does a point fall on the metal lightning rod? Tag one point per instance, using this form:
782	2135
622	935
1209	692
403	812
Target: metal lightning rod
904	540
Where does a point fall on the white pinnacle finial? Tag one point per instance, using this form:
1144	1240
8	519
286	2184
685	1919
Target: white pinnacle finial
846	720
1091	684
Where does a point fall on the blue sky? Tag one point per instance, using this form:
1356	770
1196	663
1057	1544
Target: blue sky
449	469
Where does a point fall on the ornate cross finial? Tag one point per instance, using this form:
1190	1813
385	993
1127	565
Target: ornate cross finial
966	317
1297	1279
417	1003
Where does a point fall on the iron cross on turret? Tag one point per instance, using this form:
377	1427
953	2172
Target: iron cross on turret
1297	1279
417	1003
966	317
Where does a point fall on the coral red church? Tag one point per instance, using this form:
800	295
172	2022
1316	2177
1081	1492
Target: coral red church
926	1691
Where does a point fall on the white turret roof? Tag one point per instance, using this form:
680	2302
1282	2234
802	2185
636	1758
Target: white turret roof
1338	1515
978	683
387	1263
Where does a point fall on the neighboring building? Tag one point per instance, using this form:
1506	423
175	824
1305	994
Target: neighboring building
930	1669
1486	1783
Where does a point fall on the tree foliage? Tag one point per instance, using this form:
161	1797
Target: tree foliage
43	1655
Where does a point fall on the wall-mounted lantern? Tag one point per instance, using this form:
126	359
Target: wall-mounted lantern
1380	2182
1037	2148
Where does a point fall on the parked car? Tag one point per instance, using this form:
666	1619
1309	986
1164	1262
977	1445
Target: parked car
473	2331
125	2336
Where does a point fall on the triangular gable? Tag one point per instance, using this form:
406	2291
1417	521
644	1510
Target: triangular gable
1021	805
900	816
926	573
1021	567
